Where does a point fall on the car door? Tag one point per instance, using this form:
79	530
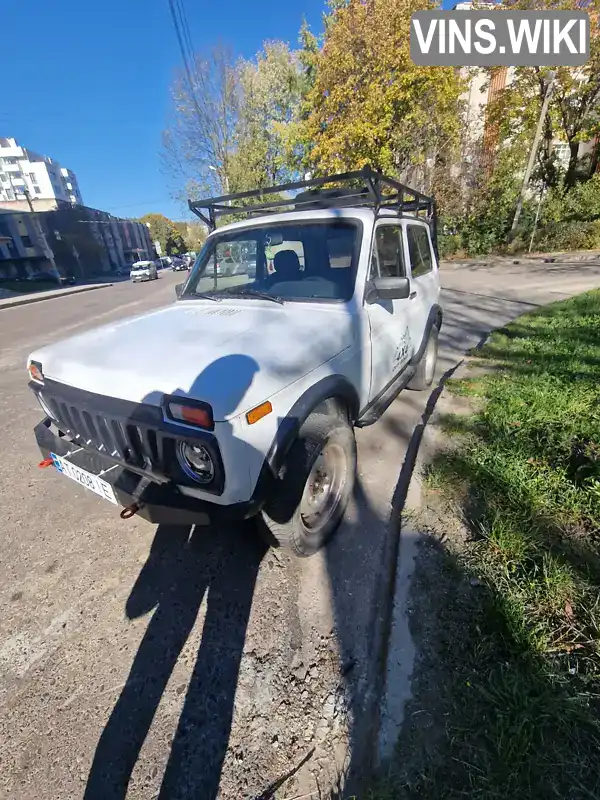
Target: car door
424	277
391	322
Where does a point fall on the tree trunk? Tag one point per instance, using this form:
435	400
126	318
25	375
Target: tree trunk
595	161
572	168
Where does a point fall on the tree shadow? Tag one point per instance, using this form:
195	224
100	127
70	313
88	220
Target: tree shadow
185	567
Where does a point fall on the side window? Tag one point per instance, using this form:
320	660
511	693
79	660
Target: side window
419	250
388	241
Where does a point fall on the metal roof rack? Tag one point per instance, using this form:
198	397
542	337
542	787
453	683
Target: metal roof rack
371	193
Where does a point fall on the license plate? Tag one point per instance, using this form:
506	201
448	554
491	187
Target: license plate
84	478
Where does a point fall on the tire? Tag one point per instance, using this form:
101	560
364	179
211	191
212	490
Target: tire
425	372
325	451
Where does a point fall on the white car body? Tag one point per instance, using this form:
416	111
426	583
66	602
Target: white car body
240	353
143	271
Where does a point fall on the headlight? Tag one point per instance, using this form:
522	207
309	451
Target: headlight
196	462
35	372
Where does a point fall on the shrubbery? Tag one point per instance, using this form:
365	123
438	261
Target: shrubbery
567	221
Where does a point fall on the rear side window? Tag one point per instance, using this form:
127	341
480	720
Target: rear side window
389	252
419	250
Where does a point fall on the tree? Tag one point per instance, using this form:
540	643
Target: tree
370	104
165	232
574	115
200	141
270	104
193	233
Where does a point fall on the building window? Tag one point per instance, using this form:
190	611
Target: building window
26	240
32	177
10	195
37	190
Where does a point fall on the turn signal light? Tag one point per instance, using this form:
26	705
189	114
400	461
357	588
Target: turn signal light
259	412
199	415
35	372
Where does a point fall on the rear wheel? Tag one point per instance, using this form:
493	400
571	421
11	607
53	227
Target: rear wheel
425	372
313	489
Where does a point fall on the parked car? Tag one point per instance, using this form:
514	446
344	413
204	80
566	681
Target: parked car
143	271
210	411
164	262
179	265
228	267
68	280
44	277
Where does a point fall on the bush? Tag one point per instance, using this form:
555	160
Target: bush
571	235
449	244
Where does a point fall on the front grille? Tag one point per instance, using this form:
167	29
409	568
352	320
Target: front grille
130	443
135	435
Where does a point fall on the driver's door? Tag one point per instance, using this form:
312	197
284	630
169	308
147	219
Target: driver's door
390	321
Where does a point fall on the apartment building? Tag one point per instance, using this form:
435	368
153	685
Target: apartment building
47	182
82	242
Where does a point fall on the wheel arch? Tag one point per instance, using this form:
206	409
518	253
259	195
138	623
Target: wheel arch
330	393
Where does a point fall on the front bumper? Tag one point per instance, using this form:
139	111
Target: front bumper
159	503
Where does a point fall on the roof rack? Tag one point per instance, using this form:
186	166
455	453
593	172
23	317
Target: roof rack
401	198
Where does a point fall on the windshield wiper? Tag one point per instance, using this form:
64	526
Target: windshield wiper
256	293
204	296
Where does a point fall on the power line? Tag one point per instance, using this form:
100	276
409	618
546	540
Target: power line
187	37
184	40
182	43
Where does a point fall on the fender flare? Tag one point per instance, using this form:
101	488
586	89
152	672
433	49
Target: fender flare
330	387
435	318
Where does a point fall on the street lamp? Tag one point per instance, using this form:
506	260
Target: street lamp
225	178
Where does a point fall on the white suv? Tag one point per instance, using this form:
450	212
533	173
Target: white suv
245	400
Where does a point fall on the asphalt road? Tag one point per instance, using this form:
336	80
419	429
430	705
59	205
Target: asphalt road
162	662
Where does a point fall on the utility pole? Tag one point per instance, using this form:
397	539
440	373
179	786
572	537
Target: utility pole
534	149
39	230
48	252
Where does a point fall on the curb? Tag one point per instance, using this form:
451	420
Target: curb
37	298
399	652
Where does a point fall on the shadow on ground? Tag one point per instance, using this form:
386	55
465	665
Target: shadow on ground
184	568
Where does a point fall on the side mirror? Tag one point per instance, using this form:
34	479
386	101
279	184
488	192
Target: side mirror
391	288
179	289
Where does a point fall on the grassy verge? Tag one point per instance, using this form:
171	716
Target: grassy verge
522	702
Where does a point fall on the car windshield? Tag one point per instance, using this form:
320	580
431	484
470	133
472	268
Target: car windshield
304	261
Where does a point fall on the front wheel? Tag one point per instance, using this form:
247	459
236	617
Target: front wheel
314	487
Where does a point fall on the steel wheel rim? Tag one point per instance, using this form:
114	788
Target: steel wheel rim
324	488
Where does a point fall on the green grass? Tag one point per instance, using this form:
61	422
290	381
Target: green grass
525	473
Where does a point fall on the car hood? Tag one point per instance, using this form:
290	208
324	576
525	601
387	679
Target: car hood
230	354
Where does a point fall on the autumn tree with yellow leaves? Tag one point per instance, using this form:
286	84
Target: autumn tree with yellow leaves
370	104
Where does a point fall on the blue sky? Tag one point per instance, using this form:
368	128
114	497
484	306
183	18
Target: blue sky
87	83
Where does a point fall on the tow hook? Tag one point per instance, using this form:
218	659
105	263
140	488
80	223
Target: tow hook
130	511
47	462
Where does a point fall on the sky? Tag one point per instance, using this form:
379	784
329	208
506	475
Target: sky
87	83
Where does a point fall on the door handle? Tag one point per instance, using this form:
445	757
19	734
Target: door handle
412	295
